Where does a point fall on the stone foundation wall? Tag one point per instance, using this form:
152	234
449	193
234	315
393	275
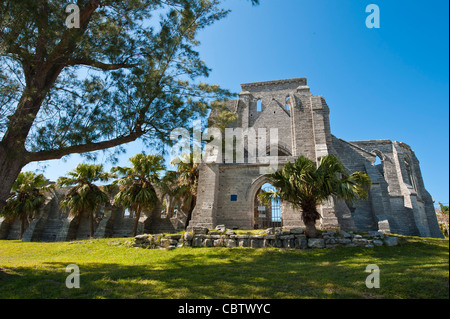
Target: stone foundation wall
293	238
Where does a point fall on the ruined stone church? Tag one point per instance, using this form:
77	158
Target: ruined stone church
227	191
227	194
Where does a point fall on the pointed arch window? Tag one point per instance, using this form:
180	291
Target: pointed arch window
259	105
287	102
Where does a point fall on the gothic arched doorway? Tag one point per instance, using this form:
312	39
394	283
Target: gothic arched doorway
267	215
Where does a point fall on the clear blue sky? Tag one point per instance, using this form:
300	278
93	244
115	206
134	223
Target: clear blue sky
387	83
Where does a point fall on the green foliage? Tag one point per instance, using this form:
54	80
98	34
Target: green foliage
306	185
130	71
85	196
85	174
137	184
303	182
443	209
183	183
222	116
26	197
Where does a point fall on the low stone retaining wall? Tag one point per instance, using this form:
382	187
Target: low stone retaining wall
293	238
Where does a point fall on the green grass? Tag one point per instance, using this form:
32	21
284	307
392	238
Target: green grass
418	268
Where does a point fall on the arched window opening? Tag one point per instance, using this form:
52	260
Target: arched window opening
259	105
379	162
379	165
287	102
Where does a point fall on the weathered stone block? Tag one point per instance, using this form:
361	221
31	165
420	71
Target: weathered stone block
344	234
174	236
316	243
375	234
256	243
243	242
197	241
344	241
164	243
359	241
188	236
221	228
218	242
208	242
296	231
231	243
198	230
378	242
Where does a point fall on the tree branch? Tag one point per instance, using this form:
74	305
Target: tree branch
83	148
100	65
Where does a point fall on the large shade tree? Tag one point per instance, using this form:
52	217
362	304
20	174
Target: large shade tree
128	70
84	197
137	184
306	185
26	198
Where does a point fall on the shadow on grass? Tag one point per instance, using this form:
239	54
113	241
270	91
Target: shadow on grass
409	271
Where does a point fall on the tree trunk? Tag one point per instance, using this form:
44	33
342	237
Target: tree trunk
309	217
310	229
10	167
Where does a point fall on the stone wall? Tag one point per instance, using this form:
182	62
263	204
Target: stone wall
55	224
293	238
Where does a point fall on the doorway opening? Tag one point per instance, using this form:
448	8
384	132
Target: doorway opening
267	215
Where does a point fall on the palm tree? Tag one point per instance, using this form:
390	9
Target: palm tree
306	185
186	184
137	184
84	196
26	198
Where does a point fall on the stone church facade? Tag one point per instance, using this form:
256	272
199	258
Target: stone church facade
398	202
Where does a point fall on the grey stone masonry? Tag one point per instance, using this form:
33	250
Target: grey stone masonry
398	202
270	238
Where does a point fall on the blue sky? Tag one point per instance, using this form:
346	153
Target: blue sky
387	83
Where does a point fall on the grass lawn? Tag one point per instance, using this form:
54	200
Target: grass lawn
110	268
